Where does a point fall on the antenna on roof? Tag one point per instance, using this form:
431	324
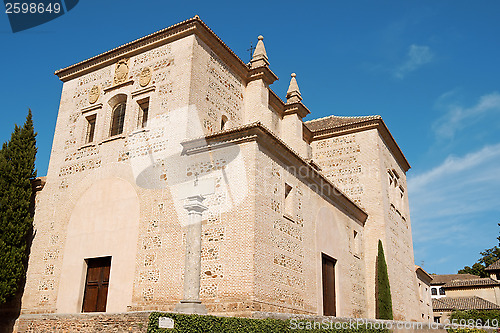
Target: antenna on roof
251	49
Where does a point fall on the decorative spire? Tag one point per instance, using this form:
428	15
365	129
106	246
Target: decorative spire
293	93
259	57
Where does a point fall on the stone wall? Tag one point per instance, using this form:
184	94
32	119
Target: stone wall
137	322
358	163
134	322
291	235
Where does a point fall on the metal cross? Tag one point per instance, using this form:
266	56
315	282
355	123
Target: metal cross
251	50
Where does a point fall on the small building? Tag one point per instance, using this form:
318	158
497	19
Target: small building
494	270
463	292
424	292
444	306
486	288
439	280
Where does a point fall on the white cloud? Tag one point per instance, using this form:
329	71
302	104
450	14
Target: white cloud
417	57
458	117
455	207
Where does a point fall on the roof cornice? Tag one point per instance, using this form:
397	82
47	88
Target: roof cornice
276	102
259	133
262	73
298	108
378	124
191	26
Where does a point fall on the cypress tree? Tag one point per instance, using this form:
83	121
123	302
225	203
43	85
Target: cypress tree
17	170
383	288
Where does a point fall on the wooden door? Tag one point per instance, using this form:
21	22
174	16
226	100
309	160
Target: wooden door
328	270
96	284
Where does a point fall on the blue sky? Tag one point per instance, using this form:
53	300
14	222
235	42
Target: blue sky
430	68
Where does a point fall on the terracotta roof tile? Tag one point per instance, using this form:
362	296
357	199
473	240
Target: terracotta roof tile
462	303
445	278
494	266
336	121
472	283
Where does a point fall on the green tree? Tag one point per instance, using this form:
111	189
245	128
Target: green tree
17	170
489	256
383	288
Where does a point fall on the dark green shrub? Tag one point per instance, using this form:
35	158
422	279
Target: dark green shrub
17	170
384	301
479	317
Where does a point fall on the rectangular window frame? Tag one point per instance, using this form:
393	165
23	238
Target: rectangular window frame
90	128
143	114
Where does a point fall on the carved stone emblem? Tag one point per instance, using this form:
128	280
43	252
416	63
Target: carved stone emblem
145	76
94	93
121	71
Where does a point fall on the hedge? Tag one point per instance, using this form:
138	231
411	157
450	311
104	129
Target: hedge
480	317
206	323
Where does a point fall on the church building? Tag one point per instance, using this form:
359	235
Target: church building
291	210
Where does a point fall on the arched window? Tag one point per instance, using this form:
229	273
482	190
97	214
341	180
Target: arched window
434	291
223	122
118	119
441	291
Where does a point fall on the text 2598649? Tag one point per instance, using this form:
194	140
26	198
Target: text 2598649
32	7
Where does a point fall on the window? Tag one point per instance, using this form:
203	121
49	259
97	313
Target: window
391	177
118	119
357	243
223	122
288	200
434	291
142	121
441	291
89	137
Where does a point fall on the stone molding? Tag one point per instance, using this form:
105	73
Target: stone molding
92	107
264	137
191	26
378	124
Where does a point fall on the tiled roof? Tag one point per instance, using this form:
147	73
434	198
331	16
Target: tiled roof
494	266
420	269
472	283
336	121
462	303
445	278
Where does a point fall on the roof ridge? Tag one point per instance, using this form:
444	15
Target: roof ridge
195	18
128	43
375	116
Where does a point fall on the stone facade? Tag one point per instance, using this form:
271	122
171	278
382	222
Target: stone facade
195	112
424	291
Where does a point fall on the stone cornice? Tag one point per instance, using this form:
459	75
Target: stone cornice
378	124
276	103
191	26
38	183
92	108
265	138
298	108
263	73
307	135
